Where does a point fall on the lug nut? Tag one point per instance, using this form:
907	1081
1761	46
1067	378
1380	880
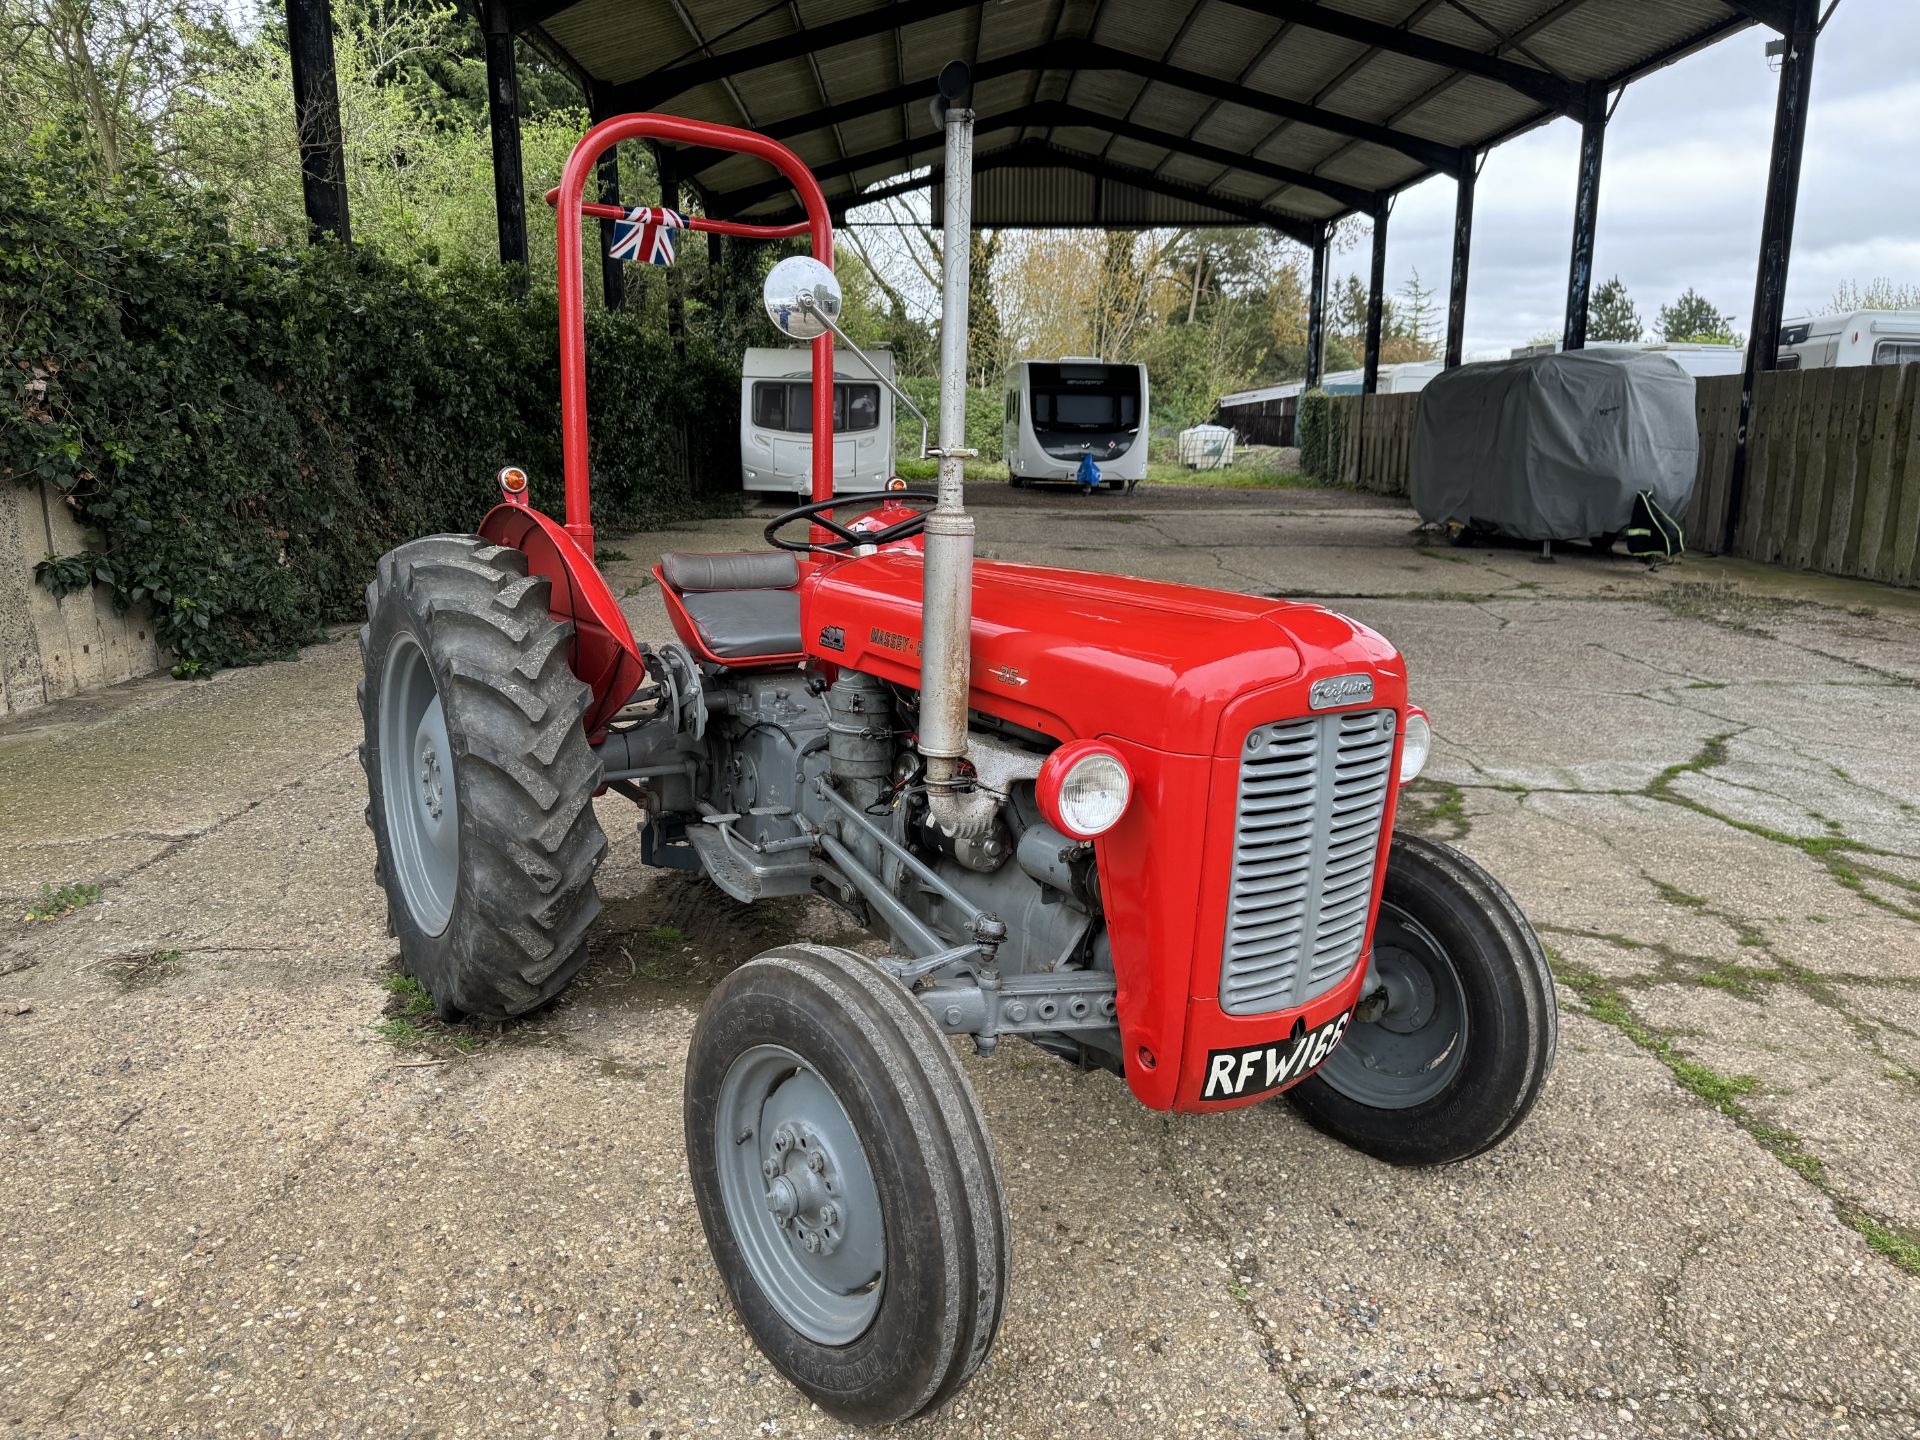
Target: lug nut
812	1242
829	1215
770	1168
816	1162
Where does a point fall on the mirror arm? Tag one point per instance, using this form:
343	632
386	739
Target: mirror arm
807	303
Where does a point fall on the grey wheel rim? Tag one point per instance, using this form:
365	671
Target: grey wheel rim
799	1195
1415	1047
416	785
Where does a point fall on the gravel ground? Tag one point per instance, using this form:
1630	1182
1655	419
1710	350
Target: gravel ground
241	1195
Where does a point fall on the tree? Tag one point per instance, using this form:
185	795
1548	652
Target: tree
1879	293
1612	315
1693	317
1415	315
1349	307
117	67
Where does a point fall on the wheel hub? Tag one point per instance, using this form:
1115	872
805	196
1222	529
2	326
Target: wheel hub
1411	1032
431	786
801	1178
1409	991
800	1195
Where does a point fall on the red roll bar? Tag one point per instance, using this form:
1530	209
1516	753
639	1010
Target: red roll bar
568	199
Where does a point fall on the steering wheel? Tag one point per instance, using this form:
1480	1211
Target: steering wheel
850	539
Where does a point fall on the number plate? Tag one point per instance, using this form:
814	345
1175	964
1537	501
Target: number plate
1249	1070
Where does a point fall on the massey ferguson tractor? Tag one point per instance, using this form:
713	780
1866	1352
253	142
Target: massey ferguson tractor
1142	826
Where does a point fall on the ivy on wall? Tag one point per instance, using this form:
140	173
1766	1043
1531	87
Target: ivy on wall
245	431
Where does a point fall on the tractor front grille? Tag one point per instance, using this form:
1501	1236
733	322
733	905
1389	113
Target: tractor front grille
1305	843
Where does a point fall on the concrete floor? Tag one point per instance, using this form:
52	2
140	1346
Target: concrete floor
230	1206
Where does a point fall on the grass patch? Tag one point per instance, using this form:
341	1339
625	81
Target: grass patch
411	1025
1674	895
54	903
1436	808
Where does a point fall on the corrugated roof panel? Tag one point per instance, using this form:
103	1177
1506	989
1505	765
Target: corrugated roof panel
1136	153
1223	31
620	40
1141	29
1106	91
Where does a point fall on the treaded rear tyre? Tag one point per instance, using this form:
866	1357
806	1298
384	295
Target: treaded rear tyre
1507	1021
519	776
938	1207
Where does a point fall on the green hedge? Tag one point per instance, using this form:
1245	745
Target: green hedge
1313	426
985	411
246	431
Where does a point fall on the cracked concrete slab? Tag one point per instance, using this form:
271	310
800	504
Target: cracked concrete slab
229	1203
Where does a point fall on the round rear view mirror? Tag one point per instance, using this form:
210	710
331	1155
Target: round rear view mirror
801	295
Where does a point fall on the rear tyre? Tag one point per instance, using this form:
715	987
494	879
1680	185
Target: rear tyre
846	1183
1459	1037
480	780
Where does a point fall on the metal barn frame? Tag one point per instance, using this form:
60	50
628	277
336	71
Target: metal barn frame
1121	113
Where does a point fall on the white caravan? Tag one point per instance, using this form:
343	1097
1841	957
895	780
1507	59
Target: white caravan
1866	337
1058	412
776	422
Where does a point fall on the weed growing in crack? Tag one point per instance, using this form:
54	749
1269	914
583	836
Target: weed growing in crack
1439	809
1601	1001
54	903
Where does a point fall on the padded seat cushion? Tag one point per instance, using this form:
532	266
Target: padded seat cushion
739	624
735	570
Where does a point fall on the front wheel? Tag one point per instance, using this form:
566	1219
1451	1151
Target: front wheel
846	1183
1454	1040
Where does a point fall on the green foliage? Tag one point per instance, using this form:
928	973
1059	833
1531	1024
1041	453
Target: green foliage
1612	315
1693	317
246	430
985	414
1313	427
1879	293
62	900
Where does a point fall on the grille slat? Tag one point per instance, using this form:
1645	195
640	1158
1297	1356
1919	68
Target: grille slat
1306	843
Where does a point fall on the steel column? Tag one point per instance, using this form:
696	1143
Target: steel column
666	159
1462	252
1586	216
316	109
1776	232
613	274
503	119
1376	301
1317	311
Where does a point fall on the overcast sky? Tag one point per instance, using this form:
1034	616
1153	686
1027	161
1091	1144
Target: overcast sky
1683	185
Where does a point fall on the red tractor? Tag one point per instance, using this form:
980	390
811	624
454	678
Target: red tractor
1142	826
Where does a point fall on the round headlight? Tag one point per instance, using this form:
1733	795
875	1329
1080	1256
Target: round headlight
1416	743
1083	789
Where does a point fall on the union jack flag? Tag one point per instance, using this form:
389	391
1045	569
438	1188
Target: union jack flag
646	235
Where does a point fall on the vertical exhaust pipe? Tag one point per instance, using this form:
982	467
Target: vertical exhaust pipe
947	594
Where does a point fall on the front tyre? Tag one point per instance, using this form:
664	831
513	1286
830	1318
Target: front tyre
846	1183
1453	1044
480	780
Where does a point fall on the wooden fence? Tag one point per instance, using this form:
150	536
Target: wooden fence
1833	466
1833	470
1372	440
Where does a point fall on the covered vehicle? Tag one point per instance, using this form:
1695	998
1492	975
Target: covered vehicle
1555	447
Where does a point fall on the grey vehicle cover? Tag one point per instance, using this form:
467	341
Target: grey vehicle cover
1554	447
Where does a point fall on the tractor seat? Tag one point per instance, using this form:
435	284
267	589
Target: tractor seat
743	603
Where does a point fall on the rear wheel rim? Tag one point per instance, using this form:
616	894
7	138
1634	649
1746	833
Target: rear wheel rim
416	786
799	1195
1415	1048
